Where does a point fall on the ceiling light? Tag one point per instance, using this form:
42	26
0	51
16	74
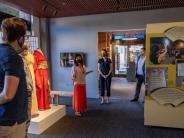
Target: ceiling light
63	3
129	39
55	12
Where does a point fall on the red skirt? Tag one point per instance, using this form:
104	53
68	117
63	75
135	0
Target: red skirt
79	98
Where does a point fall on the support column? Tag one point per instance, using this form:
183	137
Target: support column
45	43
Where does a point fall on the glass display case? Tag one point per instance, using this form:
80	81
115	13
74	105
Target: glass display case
121	53
124	56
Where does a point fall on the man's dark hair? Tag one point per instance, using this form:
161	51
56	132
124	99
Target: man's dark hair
144	48
13	28
178	42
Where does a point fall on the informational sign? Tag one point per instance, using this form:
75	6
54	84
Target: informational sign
180	68
156	78
171	96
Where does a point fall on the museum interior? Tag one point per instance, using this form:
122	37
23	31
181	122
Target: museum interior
141	38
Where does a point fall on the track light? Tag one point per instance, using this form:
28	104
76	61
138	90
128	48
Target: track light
44	7
55	12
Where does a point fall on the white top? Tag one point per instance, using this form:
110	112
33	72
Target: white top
78	75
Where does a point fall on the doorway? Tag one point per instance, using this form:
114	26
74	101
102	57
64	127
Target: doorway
123	48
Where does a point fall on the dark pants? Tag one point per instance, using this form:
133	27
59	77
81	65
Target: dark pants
140	80
105	84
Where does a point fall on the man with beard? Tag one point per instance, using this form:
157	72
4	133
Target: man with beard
13	93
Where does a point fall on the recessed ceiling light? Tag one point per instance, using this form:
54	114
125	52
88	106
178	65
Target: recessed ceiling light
63	3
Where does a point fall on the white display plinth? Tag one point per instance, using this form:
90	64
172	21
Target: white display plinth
156	114
46	119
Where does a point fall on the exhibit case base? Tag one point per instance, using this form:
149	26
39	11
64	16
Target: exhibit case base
46	119
156	114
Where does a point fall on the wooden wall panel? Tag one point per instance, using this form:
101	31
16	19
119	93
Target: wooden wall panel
103	42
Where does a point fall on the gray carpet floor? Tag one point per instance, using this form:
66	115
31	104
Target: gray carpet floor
119	119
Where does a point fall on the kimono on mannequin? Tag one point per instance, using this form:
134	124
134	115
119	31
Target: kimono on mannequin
41	78
29	58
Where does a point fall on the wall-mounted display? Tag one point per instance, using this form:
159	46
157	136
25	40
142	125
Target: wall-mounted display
165	75
67	58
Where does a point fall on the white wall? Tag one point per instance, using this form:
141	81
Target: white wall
72	34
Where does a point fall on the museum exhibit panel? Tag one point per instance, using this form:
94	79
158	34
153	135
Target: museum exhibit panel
58	30
164	75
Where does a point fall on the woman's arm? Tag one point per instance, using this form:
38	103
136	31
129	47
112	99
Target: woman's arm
73	73
99	71
162	57
84	69
110	71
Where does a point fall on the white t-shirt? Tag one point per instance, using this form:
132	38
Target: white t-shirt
140	63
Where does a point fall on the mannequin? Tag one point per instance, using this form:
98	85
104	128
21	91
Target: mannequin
30	61
41	78
38	49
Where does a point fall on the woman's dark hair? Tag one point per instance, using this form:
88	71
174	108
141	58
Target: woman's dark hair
105	52
75	61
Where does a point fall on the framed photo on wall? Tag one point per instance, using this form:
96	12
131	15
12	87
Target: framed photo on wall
67	58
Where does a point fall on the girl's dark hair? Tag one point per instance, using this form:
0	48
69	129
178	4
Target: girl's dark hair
104	50
75	61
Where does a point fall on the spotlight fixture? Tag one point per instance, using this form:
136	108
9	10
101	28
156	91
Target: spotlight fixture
55	12
118	2
118	5
63	3
44	7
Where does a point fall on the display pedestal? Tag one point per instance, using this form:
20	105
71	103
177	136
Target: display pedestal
46	119
58	94
156	114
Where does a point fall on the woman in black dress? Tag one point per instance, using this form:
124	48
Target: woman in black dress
105	74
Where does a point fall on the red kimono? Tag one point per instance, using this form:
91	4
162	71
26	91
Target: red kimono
41	79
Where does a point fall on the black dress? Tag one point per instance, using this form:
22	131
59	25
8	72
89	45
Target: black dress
105	83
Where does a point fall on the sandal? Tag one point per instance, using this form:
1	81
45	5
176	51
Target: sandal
78	114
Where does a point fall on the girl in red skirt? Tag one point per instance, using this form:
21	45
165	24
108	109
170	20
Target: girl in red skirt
78	76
